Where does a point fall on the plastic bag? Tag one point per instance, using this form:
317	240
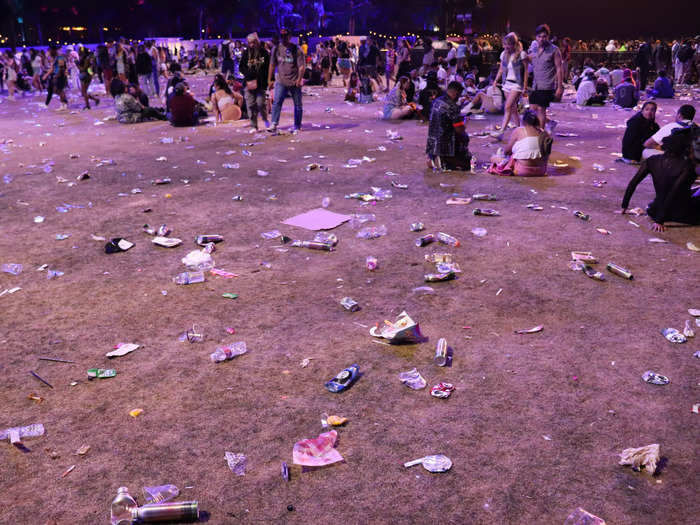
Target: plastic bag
198	260
372	232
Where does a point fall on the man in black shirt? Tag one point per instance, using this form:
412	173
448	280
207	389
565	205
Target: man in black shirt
673	175
639	128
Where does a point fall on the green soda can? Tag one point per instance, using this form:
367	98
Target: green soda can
101	373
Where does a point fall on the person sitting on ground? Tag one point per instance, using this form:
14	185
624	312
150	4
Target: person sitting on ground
183	109
673	174
470	89
368	87
662	87
225	103
136	92
639	129
626	94
396	106
491	101
684	119
617	75
448	141
529	148
586	95
353	91
129	110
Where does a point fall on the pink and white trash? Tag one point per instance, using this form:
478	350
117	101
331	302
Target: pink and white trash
317	452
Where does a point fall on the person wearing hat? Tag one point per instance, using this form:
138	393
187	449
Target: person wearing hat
288	60
254	66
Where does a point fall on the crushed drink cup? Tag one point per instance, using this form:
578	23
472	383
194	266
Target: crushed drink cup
412	379
226	352
160	493
436	463
344	379
653	378
237	463
673	335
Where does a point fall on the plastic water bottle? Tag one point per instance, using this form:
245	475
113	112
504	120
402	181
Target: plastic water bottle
447	239
228	352
123	507
189	278
13	268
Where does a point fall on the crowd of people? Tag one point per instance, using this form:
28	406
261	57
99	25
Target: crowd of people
442	89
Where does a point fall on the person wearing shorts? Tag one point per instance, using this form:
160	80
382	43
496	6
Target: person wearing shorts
512	75
547	83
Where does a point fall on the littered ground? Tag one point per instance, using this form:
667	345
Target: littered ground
536	422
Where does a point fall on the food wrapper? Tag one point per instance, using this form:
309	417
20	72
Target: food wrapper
404	330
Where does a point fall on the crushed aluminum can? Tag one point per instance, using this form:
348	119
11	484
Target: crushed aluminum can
486	212
371	262
620	271
163	231
349	304
417	227
206	239
673	335
436	277
236	198
484	197
592	273
425	240
285	471
441	352
158	182
101	373
653	378
442	390
582	216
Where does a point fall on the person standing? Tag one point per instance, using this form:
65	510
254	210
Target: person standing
254	66
390	63
86	64
155	65
447	146
289	62
512	74
547	83
57	80
144	70
643	64
226	60
403	58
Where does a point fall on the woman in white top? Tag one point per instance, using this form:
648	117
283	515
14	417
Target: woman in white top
37	69
526	159
225	102
512	73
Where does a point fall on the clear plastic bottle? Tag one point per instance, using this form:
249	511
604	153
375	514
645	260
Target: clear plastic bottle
123	507
447	239
189	278
372	232
228	352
